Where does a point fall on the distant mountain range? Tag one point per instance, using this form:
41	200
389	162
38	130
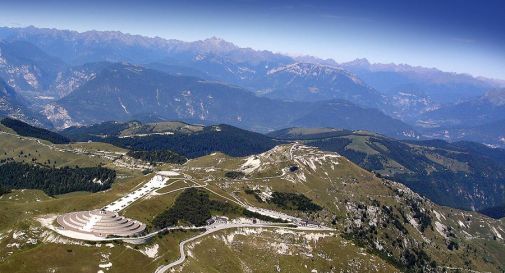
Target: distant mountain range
414	90
480	119
63	75
124	92
441	87
487	108
314	82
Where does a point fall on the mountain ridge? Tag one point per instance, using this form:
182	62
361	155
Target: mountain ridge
122	92
466	175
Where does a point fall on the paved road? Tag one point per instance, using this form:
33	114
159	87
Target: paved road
211	229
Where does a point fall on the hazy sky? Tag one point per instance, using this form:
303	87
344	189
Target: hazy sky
453	35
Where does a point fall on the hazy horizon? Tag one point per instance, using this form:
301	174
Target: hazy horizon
450	36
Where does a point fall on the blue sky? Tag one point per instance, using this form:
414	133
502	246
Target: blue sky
452	35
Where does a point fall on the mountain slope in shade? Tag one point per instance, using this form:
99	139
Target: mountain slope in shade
24	129
463	174
28	69
486	109
491	134
349	116
124	92
15	106
121	92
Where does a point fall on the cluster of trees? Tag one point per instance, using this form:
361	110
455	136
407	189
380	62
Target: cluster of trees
417	260
294	201
255	193
27	130
192	206
234	174
53	181
96	131
156	156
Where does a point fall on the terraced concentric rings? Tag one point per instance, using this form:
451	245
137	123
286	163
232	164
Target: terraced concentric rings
100	223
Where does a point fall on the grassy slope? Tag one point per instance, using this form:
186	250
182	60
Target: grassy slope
234	251
348	185
11	146
462	175
19	209
336	188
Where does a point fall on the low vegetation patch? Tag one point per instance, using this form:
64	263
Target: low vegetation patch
255	193
53	181
156	156
294	201
234	174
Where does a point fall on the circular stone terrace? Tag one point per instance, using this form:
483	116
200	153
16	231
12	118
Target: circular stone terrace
100	223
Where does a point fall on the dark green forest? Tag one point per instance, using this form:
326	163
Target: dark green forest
157	156
294	201
27	130
192	206
53	181
228	139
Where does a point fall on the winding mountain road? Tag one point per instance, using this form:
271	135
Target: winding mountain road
212	229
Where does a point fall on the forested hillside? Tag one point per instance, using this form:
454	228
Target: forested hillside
156	156
53	181
217	138
27	130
